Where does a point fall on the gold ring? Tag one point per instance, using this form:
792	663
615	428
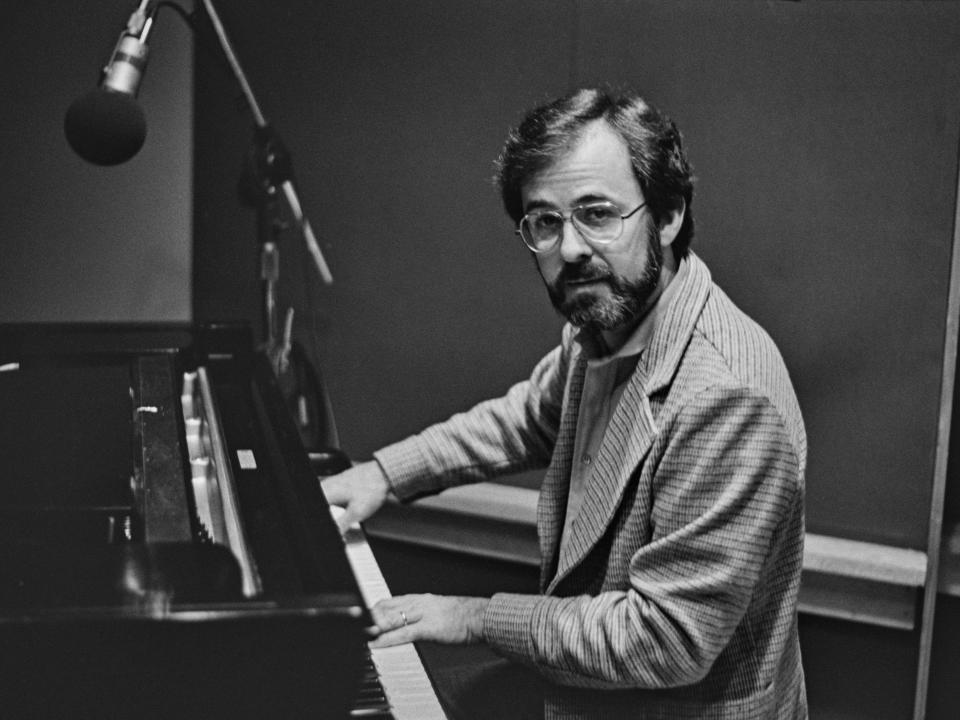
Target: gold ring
403	616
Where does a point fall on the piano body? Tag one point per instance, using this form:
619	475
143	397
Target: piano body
166	550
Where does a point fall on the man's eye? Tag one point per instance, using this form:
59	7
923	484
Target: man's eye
547	221
597	215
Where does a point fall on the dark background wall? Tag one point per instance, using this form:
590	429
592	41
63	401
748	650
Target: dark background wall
823	134
79	242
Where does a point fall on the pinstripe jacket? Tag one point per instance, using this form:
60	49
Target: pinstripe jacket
676	594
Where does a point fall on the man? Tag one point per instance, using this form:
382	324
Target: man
671	513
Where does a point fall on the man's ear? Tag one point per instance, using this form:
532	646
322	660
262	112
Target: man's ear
671	224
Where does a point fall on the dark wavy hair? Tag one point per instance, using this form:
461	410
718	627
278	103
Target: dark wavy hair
656	151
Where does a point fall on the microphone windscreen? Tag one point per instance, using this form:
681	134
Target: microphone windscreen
105	127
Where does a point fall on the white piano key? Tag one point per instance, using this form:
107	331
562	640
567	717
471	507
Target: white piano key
401	672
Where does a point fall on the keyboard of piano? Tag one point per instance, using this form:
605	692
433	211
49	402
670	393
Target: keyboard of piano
406	686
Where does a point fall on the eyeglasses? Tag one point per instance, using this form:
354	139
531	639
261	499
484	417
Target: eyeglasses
598	223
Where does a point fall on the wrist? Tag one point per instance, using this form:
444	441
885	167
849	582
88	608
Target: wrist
477	609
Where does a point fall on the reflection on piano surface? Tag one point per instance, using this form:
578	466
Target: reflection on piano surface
136	583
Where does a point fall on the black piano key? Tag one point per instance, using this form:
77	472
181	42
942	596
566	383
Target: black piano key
371	701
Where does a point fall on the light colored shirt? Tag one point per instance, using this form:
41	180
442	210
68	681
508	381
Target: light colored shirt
605	379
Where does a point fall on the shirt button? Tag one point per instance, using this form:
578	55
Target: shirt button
586	459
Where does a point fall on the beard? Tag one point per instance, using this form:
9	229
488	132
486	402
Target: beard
627	300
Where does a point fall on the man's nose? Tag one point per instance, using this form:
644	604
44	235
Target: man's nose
573	248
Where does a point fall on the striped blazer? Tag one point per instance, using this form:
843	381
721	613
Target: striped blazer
676	594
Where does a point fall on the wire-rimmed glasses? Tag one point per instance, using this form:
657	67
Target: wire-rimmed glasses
597	222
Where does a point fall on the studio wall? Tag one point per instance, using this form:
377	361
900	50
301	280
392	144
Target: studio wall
81	242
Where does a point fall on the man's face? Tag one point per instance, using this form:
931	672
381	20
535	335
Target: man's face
605	287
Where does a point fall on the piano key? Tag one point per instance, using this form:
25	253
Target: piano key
399	668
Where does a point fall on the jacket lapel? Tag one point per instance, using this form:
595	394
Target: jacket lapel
626	442
627	439
552	503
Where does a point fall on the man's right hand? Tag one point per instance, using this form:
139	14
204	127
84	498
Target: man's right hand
360	491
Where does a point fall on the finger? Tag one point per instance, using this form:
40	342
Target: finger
347	521
343	524
349	515
396	603
344	527
402	635
388	615
334	491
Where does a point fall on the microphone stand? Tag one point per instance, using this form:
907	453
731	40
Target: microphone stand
265	167
274	171
268	175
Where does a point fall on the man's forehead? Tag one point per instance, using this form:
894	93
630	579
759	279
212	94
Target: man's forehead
596	164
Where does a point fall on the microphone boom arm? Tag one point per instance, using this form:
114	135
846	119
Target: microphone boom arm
286	183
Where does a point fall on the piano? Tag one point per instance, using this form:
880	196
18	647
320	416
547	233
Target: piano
165	549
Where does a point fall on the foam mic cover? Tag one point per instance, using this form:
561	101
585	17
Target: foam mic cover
105	127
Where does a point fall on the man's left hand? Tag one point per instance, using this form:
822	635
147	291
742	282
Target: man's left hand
435	618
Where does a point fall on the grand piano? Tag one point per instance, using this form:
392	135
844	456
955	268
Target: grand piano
166	550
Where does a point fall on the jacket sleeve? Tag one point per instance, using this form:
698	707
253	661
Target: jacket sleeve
725	486
512	433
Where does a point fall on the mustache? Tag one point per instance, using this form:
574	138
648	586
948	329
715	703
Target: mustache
581	273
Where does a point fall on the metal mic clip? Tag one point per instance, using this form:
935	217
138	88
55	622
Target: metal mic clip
129	59
140	19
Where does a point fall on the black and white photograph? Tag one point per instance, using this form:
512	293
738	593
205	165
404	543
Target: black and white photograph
480	360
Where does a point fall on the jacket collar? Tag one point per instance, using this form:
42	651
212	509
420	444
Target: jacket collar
659	363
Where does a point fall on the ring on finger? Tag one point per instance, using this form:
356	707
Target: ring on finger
403	616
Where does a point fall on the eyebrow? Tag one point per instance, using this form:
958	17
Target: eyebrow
582	200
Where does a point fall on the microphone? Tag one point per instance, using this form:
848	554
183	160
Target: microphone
106	126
